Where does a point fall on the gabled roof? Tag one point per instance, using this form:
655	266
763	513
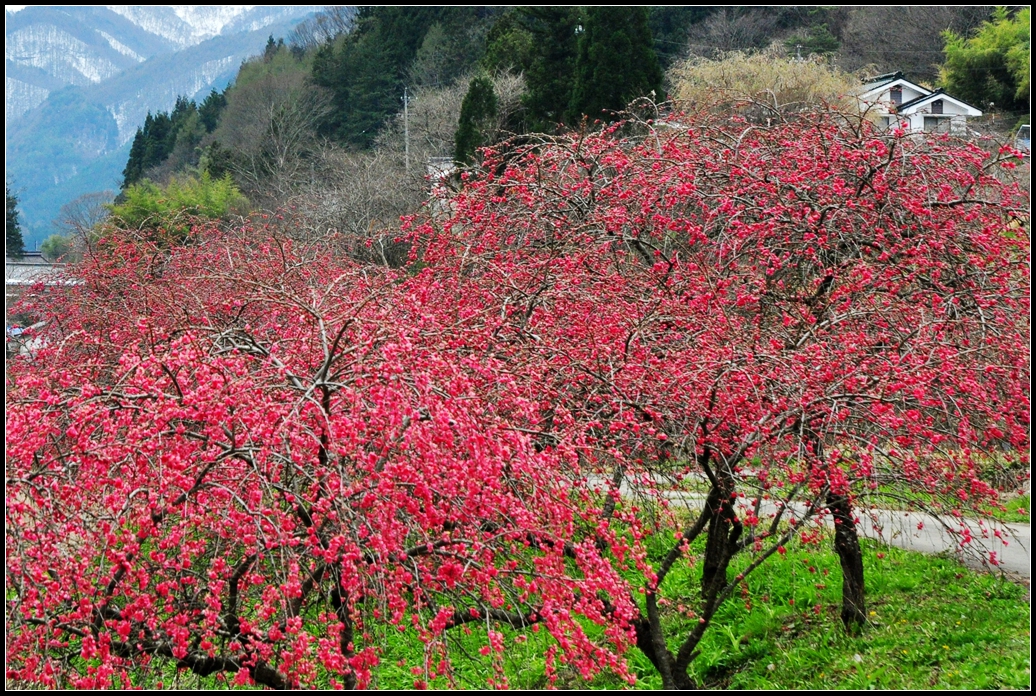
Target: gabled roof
879	80
883	82
915	104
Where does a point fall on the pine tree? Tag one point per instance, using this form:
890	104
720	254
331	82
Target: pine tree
15	245
616	62
476	113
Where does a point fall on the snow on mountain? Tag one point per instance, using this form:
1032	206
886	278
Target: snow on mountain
184	25
22	95
79	81
59	53
209	20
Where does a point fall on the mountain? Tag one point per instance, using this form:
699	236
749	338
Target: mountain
81	79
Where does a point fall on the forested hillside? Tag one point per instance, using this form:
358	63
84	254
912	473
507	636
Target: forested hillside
342	119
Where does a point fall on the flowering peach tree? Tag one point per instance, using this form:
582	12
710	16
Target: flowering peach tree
249	458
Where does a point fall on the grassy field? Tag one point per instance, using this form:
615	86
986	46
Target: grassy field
933	624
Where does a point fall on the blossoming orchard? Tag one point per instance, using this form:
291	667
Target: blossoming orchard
251	457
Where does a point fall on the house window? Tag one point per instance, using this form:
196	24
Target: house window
897	95
886	122
934	124
937	106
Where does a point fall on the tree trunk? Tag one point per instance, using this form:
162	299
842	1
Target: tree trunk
847	546
720	543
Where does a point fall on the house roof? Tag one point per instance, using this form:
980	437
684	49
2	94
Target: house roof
880	84
878	80
25	274
915	104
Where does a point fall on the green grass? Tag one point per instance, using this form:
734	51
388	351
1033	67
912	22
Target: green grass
1016	510
932	624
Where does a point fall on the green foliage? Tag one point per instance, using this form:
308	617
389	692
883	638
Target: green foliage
932	624
509	44
817	39
616	63
993	65
216	160
15	245
169	210
164	135
56	247
476	113
211	108
365	70
551	72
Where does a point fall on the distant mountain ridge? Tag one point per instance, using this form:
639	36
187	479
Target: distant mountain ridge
79	81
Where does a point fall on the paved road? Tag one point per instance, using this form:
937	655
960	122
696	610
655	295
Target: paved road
992	546
984	545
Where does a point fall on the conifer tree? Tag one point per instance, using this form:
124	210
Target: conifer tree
550	73
476	112
616	62
15	245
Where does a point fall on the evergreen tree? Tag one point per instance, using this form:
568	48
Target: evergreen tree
550	73
670	26
477	111
271	49
134	170
365	71
616	62
211	109
15	245
509	45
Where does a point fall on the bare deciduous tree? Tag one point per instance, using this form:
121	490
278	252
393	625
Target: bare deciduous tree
915	47
325	26
271	127
731	30
358	199
78	219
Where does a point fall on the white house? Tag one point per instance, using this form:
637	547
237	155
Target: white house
899	103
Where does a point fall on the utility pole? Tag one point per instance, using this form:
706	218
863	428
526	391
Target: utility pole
406	129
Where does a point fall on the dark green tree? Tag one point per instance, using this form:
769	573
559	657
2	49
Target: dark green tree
509	44
165	134
552	68
15	245
134	170
271	49
817	39
616	62
366	69
670	25
477	112
211	108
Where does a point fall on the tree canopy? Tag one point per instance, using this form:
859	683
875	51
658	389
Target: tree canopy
254	458
993	66
476	113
